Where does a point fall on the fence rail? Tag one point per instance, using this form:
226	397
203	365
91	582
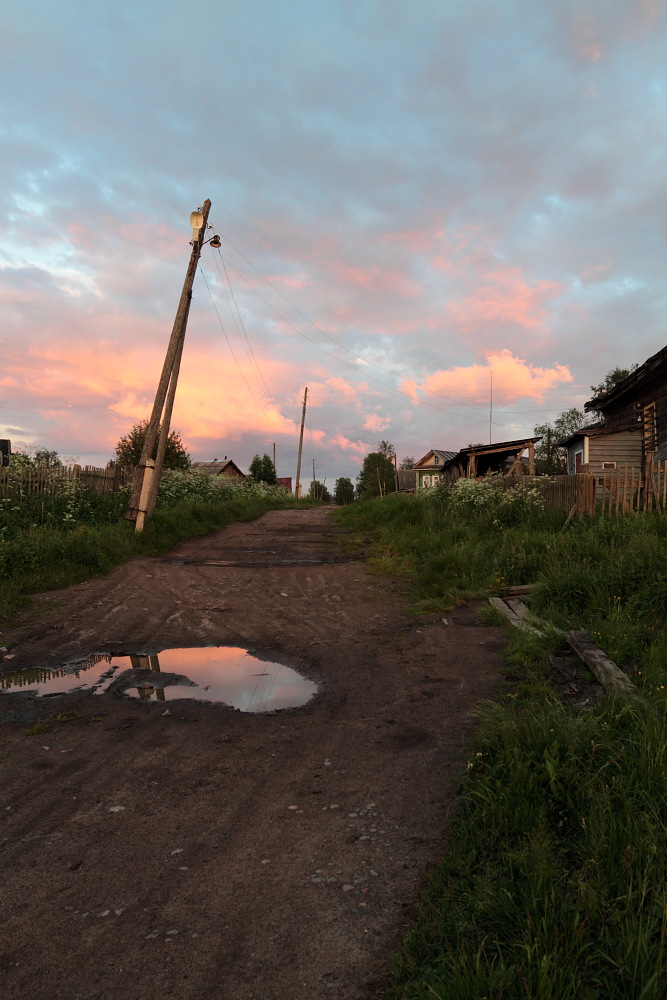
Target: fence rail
624	490
22	481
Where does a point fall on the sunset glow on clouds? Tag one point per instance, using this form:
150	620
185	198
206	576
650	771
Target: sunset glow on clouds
411	199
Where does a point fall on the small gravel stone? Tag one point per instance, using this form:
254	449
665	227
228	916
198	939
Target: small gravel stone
373	873
347	888
172	932
105	913
116	809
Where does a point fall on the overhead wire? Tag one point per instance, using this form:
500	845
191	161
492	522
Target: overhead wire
249	350
222	326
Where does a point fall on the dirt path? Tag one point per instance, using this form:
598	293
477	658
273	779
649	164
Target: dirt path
206	885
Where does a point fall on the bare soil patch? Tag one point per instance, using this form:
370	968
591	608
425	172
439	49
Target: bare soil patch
193	851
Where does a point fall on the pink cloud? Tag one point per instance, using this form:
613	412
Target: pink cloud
356	446
513	378
374	422
505	297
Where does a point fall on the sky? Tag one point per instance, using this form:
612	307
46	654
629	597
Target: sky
446	218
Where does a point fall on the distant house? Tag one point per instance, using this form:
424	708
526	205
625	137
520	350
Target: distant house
429	468
600	448
216	468
286	482
502	458
639	401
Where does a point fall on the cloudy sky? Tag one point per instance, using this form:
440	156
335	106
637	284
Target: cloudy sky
414	199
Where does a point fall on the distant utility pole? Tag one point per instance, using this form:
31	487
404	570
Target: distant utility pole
297	488
491	409
149	472
274	455
314	487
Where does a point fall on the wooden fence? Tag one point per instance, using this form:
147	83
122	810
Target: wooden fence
624	490
17	482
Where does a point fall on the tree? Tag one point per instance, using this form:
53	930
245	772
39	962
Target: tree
45	459
343	491
129	448
612	379
319	491
407	463
263	470
551	459
377	475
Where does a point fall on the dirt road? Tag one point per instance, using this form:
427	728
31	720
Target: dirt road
255	856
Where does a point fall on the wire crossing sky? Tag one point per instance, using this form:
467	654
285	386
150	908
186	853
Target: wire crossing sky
412	199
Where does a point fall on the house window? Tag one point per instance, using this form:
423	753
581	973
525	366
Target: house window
609	465
426	482
436	480
578	460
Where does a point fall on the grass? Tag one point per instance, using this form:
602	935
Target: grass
554	884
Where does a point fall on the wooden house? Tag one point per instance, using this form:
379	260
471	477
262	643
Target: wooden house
429	468
600	448
216	468
639	401
285	482
503	458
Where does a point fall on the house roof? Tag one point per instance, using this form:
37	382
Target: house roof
596	430
653	366
218	468
444	456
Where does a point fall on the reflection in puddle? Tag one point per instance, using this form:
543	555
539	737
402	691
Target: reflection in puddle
213	673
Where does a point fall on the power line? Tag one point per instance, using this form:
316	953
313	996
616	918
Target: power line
249	349
222	327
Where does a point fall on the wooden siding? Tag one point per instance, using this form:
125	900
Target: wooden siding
624	447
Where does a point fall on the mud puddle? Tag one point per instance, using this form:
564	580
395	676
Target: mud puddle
227	674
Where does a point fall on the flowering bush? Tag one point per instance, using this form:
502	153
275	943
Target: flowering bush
178	486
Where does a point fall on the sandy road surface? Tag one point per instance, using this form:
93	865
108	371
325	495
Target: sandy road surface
206	884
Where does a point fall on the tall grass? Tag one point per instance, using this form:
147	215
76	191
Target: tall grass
554	886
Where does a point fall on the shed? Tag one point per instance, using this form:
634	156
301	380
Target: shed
216	468
286	482
407	480
502	458
603	448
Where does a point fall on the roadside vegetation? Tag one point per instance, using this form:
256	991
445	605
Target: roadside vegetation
554	882
51	541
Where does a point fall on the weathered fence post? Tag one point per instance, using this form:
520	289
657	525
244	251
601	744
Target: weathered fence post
585	492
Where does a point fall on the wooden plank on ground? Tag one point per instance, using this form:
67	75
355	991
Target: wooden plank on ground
517	606
504	609
524	588
613	680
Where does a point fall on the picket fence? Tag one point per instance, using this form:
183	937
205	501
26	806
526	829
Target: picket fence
25	481
624	490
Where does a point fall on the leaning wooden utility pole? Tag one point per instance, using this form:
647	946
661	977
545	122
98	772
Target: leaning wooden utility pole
148	474
297	488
